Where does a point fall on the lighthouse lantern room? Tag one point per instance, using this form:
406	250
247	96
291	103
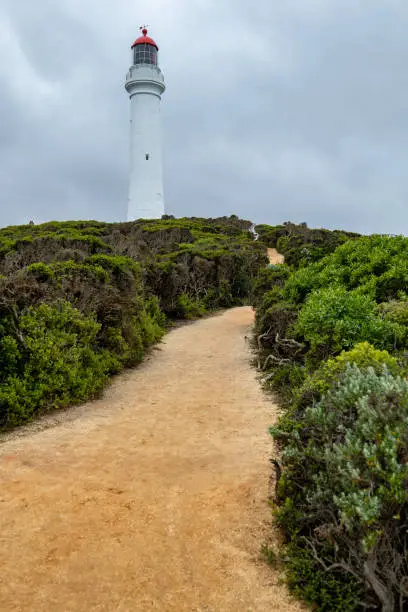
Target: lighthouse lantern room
145	85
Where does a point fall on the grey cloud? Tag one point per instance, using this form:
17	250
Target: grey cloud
274	111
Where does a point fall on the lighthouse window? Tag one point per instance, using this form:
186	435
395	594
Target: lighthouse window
145	54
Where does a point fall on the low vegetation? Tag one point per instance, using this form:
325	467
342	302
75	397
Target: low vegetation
300	244
331	327
79	301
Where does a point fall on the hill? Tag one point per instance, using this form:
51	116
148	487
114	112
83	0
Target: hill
81	300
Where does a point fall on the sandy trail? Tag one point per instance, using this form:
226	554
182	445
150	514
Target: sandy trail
275	257
152	498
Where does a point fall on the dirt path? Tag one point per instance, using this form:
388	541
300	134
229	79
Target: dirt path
275	257
152	498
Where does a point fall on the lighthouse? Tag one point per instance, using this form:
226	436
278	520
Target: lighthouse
145	85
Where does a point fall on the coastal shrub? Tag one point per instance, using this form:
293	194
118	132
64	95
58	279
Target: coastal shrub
333	319
300	244
364	355
122	281
325	591
344	494
339	367
299	389
373	265
187	308
275	317
271	278
55	362
395	311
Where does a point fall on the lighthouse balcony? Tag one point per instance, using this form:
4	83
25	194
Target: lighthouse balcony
143	71
145	76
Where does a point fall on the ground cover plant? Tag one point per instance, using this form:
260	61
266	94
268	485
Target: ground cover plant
81	300
332	342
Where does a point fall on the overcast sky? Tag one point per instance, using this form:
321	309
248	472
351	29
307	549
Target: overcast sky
274	110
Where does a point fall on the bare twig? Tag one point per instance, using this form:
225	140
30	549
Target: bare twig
278	360
266	378
278	474
259	342
288	342
261	336
328	568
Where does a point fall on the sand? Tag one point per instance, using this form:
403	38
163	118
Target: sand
153	497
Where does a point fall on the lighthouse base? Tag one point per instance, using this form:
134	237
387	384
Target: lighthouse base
145	213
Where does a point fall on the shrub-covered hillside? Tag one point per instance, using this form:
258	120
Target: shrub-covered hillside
300	244
333	340
81	300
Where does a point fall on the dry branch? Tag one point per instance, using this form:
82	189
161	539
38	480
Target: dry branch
278	360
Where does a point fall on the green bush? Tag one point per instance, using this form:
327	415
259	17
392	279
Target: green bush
393	283
219	297
275	317
345	483
40	271
214	270
298	389
188	308
284	380
125	277
333	319
57	362
121	280
375	265
330	372
339	368
394	311
152	322
270	278
326	591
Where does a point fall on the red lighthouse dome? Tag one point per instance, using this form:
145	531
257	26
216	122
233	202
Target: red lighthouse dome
144	40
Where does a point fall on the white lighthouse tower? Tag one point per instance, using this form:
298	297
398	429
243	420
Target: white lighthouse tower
145	85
